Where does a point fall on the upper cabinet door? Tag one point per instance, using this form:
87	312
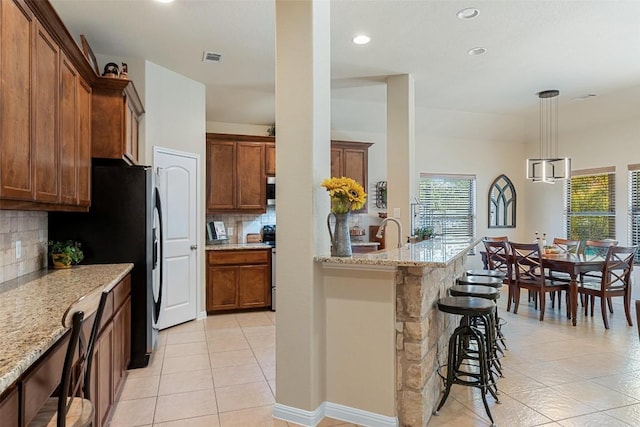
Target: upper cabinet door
45	109
16	37
350	159
84	144
251	184
68	132
221	179
270	159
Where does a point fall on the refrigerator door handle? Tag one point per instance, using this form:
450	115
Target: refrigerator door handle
158	207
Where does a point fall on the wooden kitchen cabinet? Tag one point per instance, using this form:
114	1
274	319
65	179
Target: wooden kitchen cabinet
236	177
350	159
270	158
238	279
10	409
42	163
116	110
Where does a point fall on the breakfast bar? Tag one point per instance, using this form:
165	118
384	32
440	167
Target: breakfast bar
384	336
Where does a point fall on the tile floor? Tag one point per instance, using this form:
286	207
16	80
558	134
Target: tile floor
220	372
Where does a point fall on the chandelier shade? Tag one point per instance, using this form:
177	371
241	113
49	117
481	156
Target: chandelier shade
548	167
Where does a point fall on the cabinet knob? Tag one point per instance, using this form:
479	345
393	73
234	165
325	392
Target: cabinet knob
194	247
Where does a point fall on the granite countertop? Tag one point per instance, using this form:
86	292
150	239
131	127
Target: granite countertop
236	246
437	252
31	310
365	243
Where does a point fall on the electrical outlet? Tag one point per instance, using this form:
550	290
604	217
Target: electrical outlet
18	249
396	213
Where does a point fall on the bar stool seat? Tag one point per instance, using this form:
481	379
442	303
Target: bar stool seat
486	292
467	345
494	282
489	273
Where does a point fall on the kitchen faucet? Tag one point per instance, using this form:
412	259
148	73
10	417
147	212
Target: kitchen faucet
381	230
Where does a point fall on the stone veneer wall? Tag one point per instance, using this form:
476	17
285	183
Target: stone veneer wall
31	229
422	337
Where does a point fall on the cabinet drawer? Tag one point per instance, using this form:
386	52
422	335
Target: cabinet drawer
121	292
257	256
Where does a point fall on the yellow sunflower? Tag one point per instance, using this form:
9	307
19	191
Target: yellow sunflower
346	194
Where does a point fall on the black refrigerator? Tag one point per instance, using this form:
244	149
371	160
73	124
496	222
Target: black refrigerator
123	224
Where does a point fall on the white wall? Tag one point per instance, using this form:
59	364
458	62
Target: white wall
175	119
598	132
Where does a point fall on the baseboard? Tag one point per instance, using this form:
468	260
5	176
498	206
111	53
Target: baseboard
358	416
202	315
332	410
298	416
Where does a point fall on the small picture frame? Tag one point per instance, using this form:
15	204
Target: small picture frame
91	57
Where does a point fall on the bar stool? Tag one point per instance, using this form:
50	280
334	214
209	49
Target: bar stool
489	273
493	282
491	294
459	357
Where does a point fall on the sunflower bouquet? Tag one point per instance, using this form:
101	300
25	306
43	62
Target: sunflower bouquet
346	194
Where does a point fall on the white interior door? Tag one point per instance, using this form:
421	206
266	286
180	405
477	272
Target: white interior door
178	182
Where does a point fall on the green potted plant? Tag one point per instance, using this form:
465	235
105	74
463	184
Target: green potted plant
423	233
65	253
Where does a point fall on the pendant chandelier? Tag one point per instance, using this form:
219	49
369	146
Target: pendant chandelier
548	167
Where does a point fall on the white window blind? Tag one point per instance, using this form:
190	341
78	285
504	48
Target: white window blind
591	205
447	203
634	206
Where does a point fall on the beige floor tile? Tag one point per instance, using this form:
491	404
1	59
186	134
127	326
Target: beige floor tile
271	315
259	330
152	369
244	396
454	414
206	421
191	326
221	321
265	355
196	362
599	419
188	349
595	395
137	388
217	345
232	358
262	341
269	370
508	413
513	381
185	405
628	414
181	382
261	416
185	337
253	319
128	413
272	385
552	404
628	384
232	375
331	422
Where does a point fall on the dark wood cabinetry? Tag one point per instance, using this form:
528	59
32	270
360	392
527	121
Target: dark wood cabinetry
43	129
116	110
270	158
351	160
236	177
238	279
111	357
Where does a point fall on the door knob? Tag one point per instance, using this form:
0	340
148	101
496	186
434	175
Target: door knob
194	247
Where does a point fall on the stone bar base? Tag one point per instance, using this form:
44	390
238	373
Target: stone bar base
422	337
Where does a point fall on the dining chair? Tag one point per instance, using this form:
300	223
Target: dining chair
530	274
593	248
638	316
73	406
562	246
614	281
498	259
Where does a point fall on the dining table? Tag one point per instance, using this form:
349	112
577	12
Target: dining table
574	265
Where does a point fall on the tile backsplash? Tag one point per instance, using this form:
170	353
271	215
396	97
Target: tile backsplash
30	228
238	225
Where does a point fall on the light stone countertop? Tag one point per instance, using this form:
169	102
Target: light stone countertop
236	246
31	310
438	252
365	243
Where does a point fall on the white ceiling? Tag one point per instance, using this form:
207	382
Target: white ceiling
578	47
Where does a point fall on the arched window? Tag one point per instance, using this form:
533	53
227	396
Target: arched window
502	203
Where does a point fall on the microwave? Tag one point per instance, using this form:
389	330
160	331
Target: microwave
271	191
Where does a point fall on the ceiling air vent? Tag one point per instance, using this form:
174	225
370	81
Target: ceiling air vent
211	57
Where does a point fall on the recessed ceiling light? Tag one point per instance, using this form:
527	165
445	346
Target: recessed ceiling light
477	51
468	13
361	39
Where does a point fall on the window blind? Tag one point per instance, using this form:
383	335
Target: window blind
447	203
591	205
634	206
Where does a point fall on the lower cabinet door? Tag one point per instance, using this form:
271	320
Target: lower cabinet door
103	397
10	410
222	288
254	288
